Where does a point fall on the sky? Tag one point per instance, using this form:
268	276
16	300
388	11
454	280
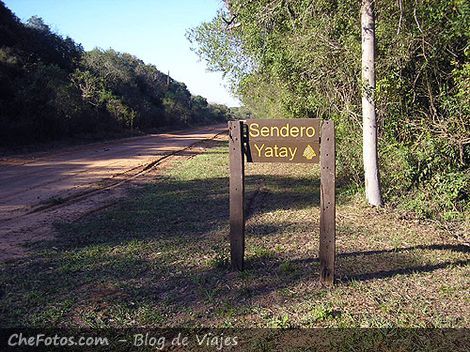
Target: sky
153	30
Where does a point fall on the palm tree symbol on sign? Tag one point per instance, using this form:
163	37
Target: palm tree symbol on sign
309	153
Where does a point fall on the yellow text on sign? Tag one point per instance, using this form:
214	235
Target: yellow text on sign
286	131
275	151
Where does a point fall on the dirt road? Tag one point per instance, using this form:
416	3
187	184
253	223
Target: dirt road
63	185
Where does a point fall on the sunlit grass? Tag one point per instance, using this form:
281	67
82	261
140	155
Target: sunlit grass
161	258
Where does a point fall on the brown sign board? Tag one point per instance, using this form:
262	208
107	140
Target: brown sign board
280	151
283	140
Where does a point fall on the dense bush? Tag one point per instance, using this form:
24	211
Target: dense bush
50	88
301	58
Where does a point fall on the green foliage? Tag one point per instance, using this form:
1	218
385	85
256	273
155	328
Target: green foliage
51	88
241	113
281	322
321	312
121	112
301	58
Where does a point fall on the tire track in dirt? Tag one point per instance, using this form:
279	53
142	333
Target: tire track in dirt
36	222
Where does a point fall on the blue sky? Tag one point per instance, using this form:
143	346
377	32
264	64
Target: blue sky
153	30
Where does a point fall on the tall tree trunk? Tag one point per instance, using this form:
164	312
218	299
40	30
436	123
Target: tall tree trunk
370	157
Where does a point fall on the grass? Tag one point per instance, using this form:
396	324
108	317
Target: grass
160	259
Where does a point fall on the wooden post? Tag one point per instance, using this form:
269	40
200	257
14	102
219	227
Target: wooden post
327	203
237	191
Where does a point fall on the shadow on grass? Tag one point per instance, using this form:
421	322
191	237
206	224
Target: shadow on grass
392	262
181	209
167	248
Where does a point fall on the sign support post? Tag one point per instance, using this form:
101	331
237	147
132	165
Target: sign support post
327	253
286	141
237	192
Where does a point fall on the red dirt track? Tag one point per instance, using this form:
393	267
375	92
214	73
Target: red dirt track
64	185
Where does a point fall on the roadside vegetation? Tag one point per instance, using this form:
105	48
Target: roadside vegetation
302	58
160	259
51	89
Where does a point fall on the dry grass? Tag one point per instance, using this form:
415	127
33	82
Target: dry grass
160	259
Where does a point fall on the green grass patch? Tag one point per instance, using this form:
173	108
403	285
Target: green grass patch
161	258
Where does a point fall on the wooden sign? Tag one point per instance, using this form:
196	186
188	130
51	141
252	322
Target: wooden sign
285	141
327	252
290	141
237	195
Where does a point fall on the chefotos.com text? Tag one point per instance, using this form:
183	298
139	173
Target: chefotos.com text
16	340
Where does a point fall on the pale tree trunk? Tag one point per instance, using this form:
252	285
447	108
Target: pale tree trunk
370	157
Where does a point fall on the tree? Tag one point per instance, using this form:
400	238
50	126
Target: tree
38	24
301	58
369	119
